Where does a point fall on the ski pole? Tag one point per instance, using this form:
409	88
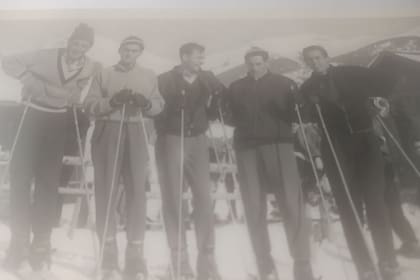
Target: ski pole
113	185
230	159
348	194
400	148
317	180
15	140
84	185
181	186
146	139
231	212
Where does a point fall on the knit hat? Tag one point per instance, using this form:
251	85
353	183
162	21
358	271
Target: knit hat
256	51
83	32
133	40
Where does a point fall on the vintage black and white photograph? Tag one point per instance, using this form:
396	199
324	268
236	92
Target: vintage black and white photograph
233	140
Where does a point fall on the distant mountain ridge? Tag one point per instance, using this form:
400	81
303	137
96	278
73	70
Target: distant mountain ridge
362	56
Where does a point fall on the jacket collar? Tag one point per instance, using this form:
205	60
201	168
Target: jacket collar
178	70
266	75
330	71
123	68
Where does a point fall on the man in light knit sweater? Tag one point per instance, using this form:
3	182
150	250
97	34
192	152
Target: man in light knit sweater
52	80
125	83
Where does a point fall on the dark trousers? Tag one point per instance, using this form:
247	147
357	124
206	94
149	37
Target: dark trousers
197	175
363	166
273	168
37	158
399	222
131	166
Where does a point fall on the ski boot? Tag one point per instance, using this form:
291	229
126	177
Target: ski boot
410	250
17	258
110	268
135	266
111	274
368	275
207	267
302	270
186	272
272	275
40	260
390	271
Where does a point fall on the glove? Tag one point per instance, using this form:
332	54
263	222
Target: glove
382	105
140	101
295	128
122	97
319	164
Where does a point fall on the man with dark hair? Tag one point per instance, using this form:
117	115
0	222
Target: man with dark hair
189	48
52	81
343	95
189	89
314	48
261	109
130	85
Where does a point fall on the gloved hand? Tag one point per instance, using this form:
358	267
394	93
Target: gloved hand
319	164
141	101
295	127
382	105
120	98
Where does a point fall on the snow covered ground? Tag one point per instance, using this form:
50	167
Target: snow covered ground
74	258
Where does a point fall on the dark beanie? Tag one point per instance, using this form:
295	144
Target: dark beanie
83	32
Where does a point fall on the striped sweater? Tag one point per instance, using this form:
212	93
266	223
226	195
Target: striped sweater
41	74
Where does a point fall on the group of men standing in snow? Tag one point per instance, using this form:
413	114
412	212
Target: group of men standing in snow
182	102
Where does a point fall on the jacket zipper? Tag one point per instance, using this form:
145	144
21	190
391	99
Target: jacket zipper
346	115
256	99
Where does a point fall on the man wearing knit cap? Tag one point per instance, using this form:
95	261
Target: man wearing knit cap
189	89
260	107
52	81
130	85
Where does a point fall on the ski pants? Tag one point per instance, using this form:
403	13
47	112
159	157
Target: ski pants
273	168
197	174
399	222
37	159
131	167
363	167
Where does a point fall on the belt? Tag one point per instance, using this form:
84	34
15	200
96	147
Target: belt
44	108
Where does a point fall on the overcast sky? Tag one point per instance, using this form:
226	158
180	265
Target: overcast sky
332	8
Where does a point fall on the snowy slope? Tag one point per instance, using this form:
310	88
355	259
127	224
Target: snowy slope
74	257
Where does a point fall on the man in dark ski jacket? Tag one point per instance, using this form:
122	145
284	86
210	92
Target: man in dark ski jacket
260	107
188	88
343	94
